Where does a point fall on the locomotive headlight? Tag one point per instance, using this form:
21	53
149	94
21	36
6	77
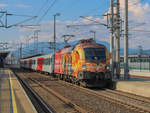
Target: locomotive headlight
84	66
108	66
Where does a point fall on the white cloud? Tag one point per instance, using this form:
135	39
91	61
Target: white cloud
3	5
22	39
82	32
138	14
87	19
138	20
22	6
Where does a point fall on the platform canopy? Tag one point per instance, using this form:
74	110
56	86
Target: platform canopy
3	55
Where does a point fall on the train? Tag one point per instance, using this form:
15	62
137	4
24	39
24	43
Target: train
85	64
137	63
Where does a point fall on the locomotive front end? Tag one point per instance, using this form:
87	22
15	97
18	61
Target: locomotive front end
95	70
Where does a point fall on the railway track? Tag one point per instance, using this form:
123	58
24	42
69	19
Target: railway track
65	100
136	103
132	103
129	95
73	108
38	102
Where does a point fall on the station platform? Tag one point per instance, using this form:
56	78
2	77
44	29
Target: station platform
136	85
13	98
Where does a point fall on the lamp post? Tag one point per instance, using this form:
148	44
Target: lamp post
57	14
36	40
20	50
94	33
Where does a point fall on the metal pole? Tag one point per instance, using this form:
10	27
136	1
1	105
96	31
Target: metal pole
94	35
57	14
6	20
118	41
111	37
54	33
36	39
149	63
34	44
54	40
126	70
20	50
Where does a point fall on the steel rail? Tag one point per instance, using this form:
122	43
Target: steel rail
45	108
65	100
132	96
128	105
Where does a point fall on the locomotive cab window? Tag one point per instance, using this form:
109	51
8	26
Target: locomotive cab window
95	54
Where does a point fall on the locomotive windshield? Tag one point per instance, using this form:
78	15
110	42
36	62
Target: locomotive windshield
95	54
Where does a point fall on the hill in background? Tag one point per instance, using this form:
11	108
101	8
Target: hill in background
45	48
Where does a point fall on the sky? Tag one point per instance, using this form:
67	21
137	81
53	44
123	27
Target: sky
70	12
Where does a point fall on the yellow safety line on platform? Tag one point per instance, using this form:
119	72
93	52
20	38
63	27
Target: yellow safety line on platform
13	95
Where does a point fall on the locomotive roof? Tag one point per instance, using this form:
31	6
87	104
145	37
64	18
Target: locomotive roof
69	49
65	50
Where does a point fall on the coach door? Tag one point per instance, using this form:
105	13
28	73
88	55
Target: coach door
30	63
40	64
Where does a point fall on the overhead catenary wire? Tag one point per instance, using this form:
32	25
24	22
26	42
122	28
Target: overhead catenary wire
80	25
93	21
42	7
53	3
96	9
22	22
20	15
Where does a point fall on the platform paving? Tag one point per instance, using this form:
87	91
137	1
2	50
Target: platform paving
13	98
135	85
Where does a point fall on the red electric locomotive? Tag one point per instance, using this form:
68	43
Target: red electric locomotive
86	63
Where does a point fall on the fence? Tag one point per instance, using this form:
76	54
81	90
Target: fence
135	63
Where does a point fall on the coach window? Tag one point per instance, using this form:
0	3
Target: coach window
33	62
135	59
130	59
45	61
145	59
121	60
48	61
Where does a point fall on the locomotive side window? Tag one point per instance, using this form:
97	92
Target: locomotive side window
95	54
